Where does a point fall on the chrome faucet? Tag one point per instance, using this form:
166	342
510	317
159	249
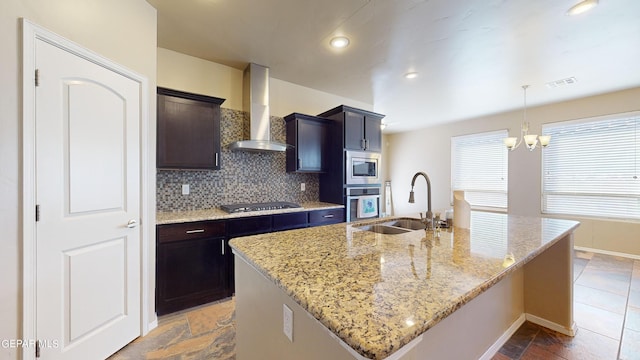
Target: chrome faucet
428	219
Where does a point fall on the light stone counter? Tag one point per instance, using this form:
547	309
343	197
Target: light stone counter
377	293
174	217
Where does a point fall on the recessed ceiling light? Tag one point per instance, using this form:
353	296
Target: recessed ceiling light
411	75
339	42
581	7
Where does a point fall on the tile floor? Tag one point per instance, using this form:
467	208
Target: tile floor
606	310
205	332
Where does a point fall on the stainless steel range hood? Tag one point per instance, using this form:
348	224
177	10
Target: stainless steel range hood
255	101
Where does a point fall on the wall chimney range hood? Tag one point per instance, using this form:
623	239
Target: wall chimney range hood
255	101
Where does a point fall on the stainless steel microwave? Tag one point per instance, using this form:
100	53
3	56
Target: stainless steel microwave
362	168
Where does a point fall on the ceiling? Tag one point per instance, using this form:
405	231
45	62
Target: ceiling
472	56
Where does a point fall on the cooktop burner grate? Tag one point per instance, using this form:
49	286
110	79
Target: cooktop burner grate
234	208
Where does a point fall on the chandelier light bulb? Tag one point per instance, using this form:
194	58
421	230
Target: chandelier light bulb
544	140
510	142
531	141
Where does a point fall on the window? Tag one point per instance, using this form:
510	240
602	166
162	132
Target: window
479	165
591	167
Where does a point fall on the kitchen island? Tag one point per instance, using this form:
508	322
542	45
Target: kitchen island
357	294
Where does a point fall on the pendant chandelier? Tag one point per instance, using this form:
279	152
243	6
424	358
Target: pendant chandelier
531	140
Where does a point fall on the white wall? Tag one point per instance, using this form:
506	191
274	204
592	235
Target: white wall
187	73
429	150
191	74
122	30
287	98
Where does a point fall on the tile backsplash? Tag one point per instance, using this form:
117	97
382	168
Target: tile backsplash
244	176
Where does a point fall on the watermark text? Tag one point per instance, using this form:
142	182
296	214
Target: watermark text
28	343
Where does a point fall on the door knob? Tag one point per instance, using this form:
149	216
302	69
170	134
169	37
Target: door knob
132	223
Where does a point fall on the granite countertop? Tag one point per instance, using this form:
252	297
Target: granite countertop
174	217
378	292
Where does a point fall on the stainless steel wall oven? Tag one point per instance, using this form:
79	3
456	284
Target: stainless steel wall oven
362	203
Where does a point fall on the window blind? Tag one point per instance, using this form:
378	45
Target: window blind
479	166
591	167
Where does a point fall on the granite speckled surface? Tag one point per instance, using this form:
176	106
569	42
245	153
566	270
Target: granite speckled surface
378	292
174	217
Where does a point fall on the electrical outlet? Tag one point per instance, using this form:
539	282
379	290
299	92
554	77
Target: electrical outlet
287	319
185	189
302	187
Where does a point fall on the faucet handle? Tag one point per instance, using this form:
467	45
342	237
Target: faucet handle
421	217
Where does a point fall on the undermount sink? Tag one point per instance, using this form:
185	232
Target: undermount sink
408	224
394	227
384	229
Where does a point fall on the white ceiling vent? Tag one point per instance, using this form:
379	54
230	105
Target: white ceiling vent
563	82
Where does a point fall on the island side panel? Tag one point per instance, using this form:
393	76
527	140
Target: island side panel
479	328
548	292
259	323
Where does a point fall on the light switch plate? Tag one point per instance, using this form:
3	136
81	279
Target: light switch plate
185	189
287	320
302	186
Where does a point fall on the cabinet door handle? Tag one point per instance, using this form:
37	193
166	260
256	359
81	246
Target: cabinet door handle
366	144
195	231
363	144
299	163
216	159
328	216
222	247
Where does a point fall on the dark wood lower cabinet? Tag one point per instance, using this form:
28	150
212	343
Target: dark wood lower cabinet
192	265
326	217
288	221
246	226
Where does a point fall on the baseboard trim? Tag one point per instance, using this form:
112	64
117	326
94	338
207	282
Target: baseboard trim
551	325
152	325
607	252
491	351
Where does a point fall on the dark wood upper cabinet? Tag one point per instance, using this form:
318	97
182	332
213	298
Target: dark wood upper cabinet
354	129
188	132
360	129
373	133
307	136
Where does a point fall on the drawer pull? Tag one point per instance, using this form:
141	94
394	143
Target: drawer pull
195	231
222	247
328	216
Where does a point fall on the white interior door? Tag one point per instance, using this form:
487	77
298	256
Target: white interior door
88	292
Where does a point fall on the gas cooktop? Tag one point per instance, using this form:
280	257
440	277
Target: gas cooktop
234	208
